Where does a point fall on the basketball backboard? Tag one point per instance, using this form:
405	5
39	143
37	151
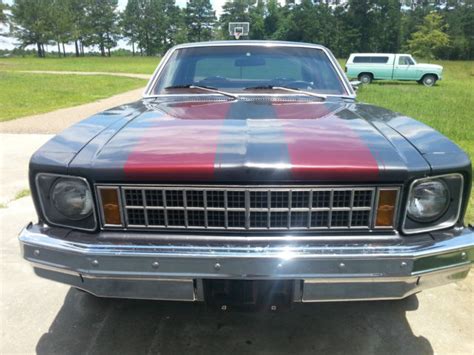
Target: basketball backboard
238	29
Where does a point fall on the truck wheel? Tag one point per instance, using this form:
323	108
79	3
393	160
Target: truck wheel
429	80
365	78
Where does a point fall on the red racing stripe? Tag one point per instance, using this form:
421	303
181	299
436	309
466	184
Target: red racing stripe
323	147
179	148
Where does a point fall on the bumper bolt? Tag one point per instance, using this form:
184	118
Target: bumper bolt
403	264
273	308
95	263
36	252
217	266
224	307
342	266
155	264
463	255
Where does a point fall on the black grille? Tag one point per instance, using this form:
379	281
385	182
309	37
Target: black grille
252	208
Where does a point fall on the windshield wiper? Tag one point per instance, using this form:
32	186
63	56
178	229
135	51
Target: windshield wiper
286	88
203	88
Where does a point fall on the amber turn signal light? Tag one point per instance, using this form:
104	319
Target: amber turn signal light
386	207
110	206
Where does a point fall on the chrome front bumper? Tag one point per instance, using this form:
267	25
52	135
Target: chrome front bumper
322	270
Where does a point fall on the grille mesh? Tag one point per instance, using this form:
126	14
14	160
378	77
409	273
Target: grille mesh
256	208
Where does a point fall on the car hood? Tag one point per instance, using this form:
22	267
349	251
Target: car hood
240	141
430	66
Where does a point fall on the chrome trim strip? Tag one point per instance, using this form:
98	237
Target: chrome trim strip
435	227
34	235
43	210
148	93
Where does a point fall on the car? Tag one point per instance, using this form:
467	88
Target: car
249	176
385	66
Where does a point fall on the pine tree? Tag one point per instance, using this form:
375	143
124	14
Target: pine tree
32	23
103	29
3	15
200	18
130	22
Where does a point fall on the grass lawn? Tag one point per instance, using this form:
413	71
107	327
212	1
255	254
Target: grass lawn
448	106
27	94
137	65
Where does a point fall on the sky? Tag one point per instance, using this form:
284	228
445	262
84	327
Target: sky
9	43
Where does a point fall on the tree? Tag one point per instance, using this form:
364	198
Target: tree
130	22
3	15
200	18
429	37
388	26
61	23
235	11
102	22
272	19
79	24
32	23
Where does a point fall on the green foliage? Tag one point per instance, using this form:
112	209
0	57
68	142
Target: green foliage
101	28
3	15
429	37
153	26
200	18
32	23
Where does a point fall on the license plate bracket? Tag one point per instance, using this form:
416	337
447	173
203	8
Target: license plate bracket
248	294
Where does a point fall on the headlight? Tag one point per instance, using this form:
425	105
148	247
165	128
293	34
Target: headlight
433	203
72	198
428	200
66	201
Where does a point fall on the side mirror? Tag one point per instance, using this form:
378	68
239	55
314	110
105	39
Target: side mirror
355	84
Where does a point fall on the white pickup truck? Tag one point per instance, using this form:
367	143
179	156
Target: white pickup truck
384	66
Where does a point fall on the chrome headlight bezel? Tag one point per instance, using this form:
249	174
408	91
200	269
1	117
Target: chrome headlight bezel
448	217
45	183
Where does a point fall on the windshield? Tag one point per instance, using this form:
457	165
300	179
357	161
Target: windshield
236	68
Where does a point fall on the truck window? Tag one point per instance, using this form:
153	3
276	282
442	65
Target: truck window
378	60
405	60
361	60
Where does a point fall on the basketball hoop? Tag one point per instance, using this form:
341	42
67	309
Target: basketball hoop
238	29
238	32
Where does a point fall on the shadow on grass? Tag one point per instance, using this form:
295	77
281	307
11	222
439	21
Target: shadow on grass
86	324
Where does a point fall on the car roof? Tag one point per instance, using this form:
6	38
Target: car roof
378	54
249	43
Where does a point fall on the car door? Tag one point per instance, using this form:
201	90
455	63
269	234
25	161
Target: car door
403	68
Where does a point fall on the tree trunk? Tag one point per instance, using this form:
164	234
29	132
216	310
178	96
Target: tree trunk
102	49
43	52
133	49
108	51
64	50
38	45
59	50
76	47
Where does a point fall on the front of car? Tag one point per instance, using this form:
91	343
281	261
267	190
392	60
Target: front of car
248	174
430	69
